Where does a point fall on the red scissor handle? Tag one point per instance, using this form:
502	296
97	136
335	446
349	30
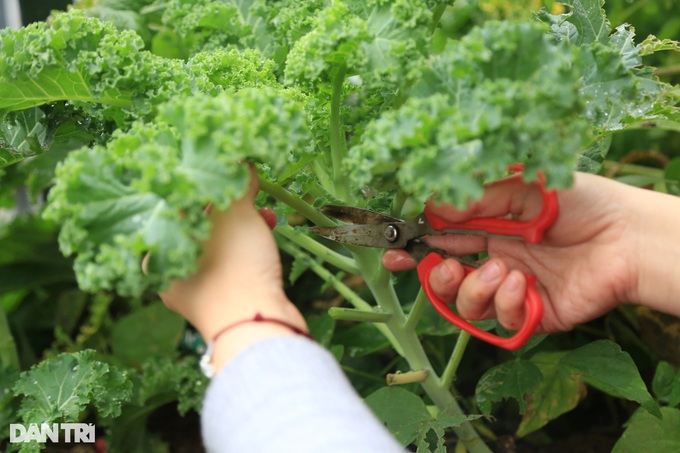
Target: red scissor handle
533	308
531	231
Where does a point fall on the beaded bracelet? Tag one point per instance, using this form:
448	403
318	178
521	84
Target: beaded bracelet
206	359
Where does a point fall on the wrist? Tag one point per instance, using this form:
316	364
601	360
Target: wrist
236	338
215	308
658	257
233	322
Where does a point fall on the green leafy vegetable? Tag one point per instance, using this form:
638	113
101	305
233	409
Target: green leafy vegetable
646	433
67	384
550	384
407	417
145	191
136	114
133	342
514	379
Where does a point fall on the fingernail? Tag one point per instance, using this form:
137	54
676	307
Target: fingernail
444	273
491	272
512	284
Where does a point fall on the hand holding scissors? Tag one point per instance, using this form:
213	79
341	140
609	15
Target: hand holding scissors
372	229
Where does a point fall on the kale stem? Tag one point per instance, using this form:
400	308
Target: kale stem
379	282
454	361
295	202
9	357
342	262
416	311
348	293
337	136
398	203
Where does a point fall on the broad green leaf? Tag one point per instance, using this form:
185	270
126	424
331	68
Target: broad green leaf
133	341
551	384
407	417
649	434
558	392
59	389
606	367
666	383
402	412
516	379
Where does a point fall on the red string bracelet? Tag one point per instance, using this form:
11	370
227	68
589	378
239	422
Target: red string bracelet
206	358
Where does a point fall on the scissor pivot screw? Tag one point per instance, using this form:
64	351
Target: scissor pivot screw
391	233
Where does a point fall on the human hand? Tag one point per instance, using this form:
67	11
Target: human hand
239	274
586	265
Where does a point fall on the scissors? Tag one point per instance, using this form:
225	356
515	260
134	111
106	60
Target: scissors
373	229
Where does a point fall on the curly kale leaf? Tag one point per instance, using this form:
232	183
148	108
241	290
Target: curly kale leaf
619	89
82	59
161	381
192	26
60	389
23	134
146	189
381	42
505	93
123	14
86	61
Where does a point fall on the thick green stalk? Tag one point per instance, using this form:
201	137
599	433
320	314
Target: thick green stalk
378	280
295	202
348	293
337	136
8	349
342	262
350	314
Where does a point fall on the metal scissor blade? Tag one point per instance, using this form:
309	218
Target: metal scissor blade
361	235
357	215
388	235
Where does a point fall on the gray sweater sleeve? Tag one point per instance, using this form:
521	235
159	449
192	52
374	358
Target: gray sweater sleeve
288	394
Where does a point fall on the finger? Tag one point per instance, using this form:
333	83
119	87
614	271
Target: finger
445	279
269	217
508	196
396	260
478	289
509	300
458	244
